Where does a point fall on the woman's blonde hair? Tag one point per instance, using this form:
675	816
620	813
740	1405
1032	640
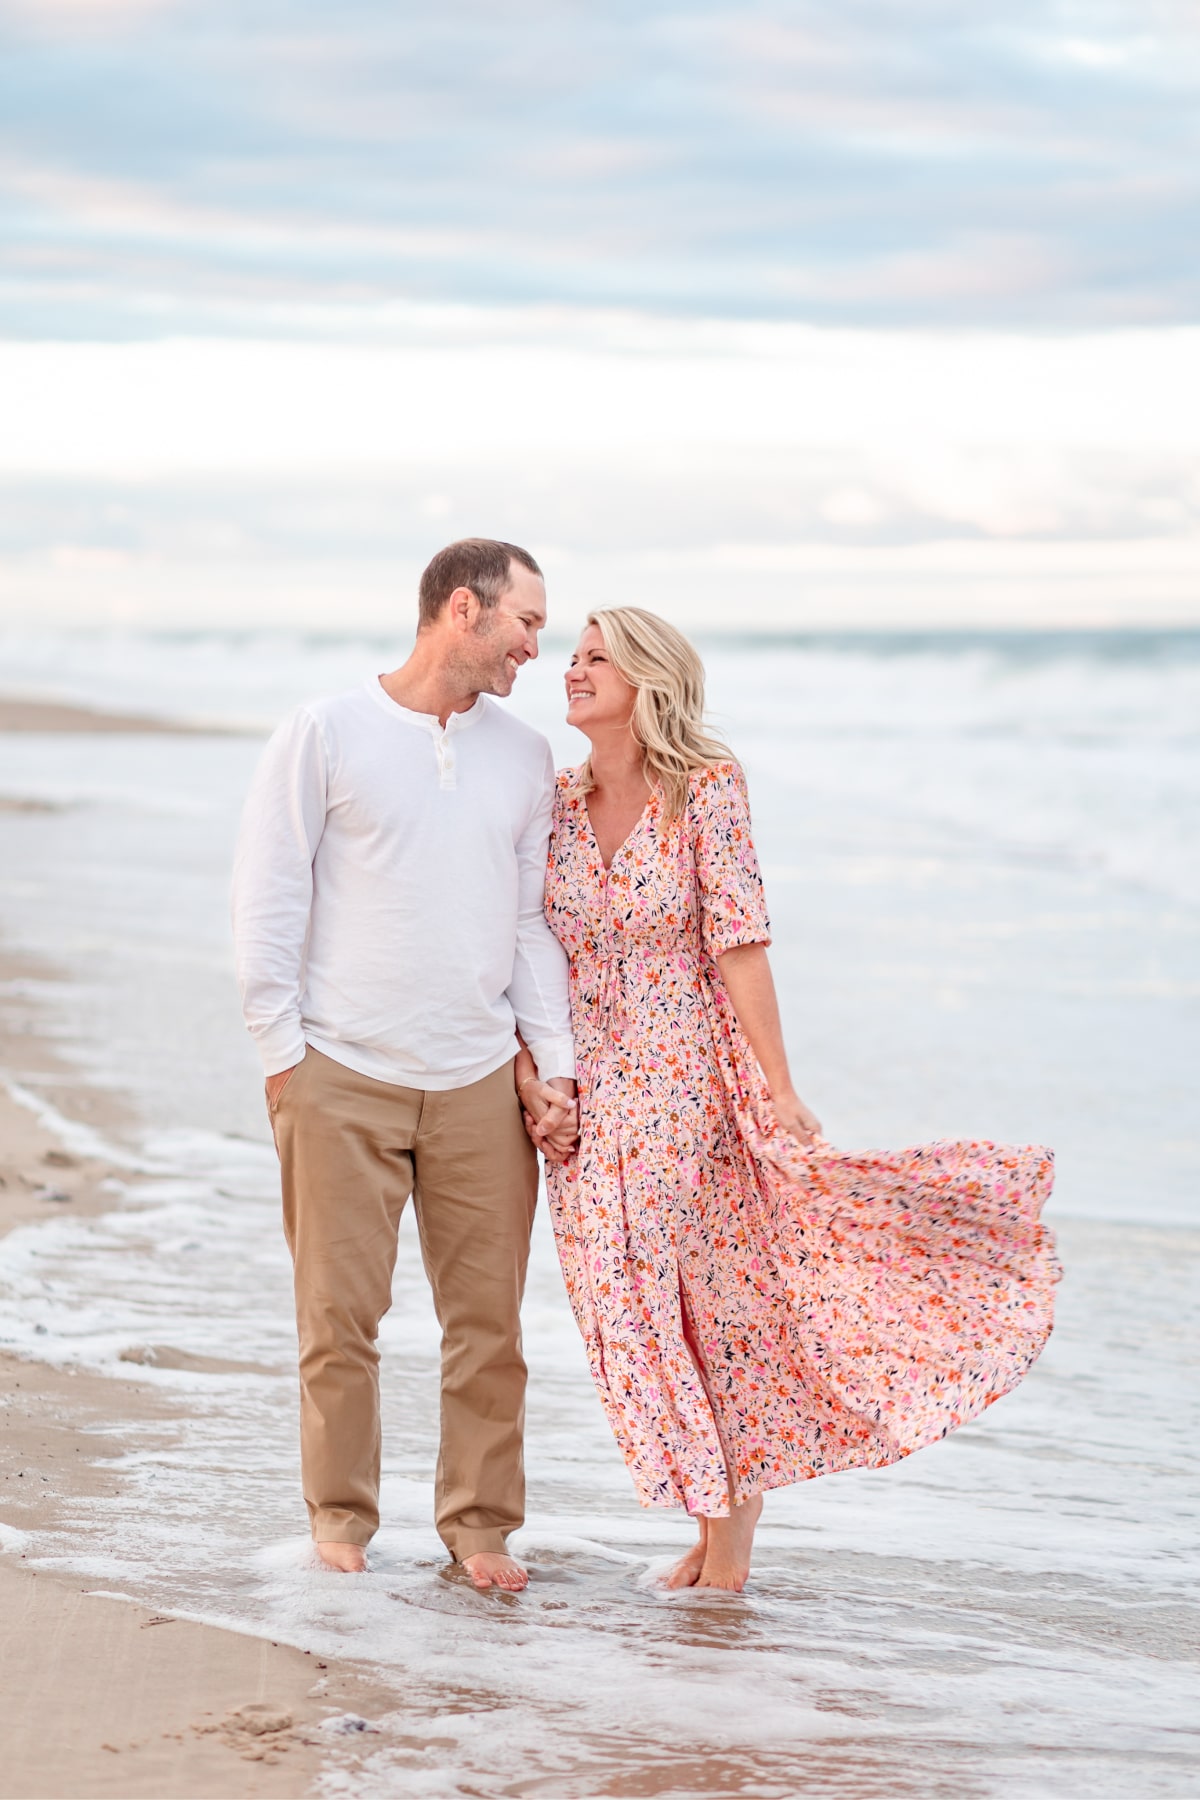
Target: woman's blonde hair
668	712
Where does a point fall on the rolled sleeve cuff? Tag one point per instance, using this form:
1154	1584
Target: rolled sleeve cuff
555	1058
738	937
281	1048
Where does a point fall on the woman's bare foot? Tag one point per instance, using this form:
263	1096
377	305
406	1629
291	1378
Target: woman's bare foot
492	1568
730	1542
349	1559
686	1572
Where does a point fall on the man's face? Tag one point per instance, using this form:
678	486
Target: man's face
507	633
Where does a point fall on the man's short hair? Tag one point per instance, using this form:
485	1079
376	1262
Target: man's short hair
482	564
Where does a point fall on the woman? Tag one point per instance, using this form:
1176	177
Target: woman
758	1308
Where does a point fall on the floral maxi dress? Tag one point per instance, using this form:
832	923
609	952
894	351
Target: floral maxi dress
756	1313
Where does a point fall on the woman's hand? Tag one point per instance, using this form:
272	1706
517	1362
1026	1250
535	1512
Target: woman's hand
795	1117
551	1119
746	973
549	1109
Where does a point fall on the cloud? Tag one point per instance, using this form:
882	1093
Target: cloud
572	382
54	16
854	311
858	163
820	477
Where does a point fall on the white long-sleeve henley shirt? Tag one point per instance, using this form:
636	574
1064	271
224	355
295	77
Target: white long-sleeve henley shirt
387	895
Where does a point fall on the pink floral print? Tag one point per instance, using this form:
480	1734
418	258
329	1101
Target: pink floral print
756	1313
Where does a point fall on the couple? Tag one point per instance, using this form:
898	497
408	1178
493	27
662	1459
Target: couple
757	1307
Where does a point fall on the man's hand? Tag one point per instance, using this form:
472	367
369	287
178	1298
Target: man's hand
552	1117
277	1083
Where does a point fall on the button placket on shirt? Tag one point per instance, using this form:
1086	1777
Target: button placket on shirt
444	750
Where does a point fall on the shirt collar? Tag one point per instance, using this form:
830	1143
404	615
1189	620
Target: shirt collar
458	721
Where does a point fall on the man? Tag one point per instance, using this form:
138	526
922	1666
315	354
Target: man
388	922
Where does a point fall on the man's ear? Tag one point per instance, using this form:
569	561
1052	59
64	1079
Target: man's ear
462	609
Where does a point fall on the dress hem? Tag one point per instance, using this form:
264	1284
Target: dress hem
796	1473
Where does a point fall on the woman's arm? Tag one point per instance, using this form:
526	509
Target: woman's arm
550	1107
746	973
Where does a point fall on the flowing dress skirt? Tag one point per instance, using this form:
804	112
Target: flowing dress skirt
756	1313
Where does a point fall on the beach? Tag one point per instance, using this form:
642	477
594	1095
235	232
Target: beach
968	939
98	1699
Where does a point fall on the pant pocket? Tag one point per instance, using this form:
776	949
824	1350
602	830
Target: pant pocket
273	1105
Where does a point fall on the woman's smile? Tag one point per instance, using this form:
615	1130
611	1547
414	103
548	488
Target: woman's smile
595	689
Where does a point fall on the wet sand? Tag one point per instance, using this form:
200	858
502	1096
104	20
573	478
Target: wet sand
59	716
102	1697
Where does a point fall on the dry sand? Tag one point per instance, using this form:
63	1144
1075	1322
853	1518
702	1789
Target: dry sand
99	1696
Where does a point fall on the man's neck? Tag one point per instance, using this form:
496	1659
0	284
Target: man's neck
424	686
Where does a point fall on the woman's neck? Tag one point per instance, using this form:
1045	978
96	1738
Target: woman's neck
618	764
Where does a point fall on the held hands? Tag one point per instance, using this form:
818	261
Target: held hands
551	1116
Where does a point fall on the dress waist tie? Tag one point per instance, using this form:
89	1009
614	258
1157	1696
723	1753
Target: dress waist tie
610	993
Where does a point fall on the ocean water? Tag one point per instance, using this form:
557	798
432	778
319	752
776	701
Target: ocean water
983	867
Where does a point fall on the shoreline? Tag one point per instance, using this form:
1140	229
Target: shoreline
19	714
97	1702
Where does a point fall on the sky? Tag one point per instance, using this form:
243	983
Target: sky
807	314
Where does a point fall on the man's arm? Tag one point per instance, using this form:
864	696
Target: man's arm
282	823
538	990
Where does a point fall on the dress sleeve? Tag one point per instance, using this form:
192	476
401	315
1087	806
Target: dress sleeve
733	909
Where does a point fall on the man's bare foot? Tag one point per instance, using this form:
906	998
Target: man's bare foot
686	1572
730	1542
349	1559
492	1568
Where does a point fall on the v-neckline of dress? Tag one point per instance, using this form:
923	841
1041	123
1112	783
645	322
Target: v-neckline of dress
606	868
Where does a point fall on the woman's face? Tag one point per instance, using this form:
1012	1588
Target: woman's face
598	699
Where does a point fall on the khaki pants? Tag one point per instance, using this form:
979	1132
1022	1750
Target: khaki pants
352	1150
